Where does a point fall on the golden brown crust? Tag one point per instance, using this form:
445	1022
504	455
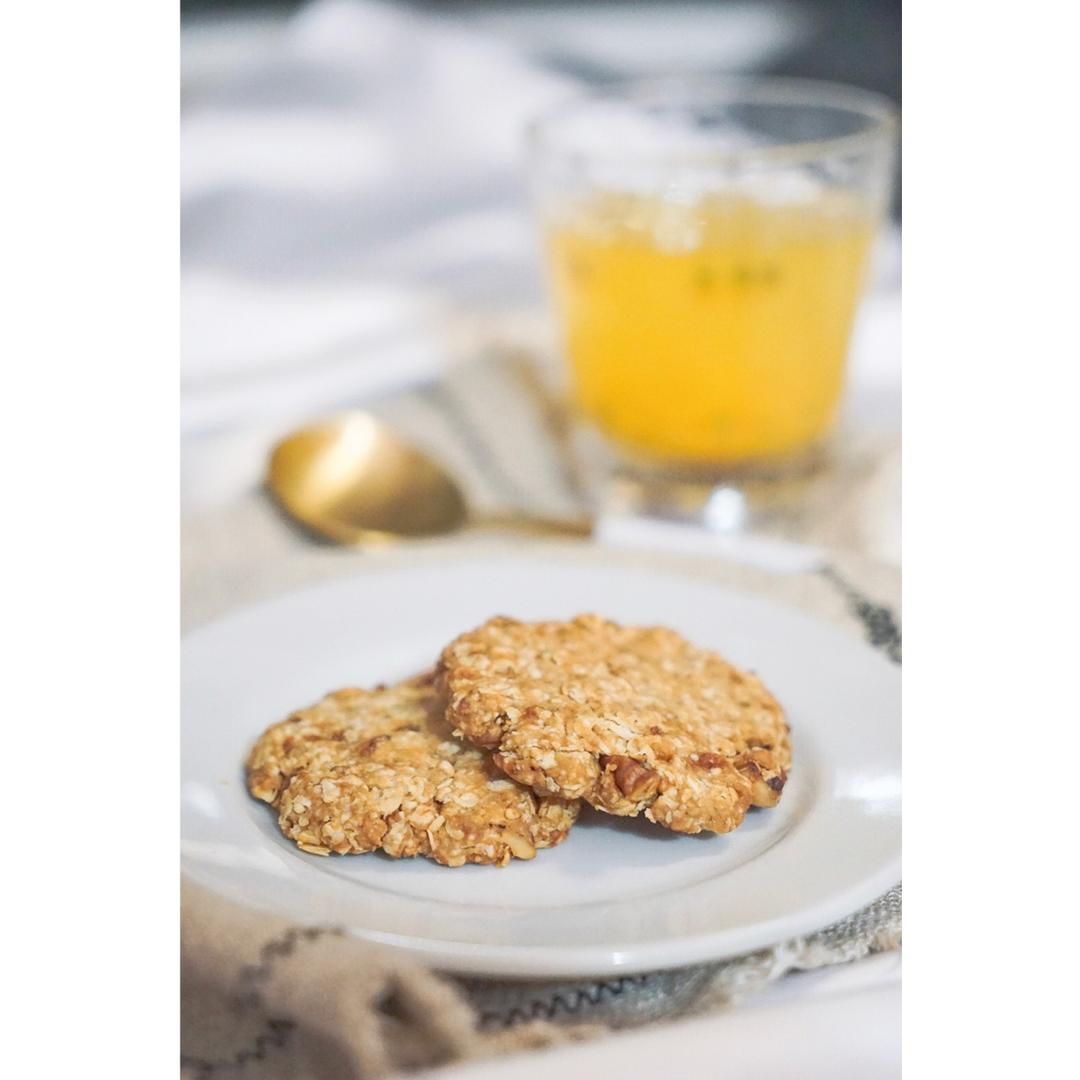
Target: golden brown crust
380	769
630	719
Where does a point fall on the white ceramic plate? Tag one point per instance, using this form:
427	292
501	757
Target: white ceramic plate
617	895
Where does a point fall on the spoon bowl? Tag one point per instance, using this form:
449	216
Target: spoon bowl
350	479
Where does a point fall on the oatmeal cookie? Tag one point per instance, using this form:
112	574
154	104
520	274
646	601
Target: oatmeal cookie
370	769
629	719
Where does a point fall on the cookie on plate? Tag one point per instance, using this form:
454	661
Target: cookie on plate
380	769
630	719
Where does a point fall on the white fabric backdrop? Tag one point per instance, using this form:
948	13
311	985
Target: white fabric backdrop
353	186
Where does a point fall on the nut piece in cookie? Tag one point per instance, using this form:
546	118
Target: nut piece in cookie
365	770
630	719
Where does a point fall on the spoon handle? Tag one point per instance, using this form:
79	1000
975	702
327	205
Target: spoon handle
532	525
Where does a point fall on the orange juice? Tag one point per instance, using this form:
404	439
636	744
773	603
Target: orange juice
713	332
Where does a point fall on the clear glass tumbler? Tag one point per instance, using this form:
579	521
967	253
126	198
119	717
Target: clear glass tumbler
708	242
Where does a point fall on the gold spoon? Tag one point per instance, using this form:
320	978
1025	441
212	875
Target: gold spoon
350	479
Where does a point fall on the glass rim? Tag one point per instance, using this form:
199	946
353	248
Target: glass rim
749	89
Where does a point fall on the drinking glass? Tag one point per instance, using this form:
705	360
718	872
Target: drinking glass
708	243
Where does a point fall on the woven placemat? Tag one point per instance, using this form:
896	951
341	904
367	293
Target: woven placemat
638	999
263	998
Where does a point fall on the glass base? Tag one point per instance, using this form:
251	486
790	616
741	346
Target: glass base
775	495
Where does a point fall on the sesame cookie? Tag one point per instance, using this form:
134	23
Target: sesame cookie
629	719
380	769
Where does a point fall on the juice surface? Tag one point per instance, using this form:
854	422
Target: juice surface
715	332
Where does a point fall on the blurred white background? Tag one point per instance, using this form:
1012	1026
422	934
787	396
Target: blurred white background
355	199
